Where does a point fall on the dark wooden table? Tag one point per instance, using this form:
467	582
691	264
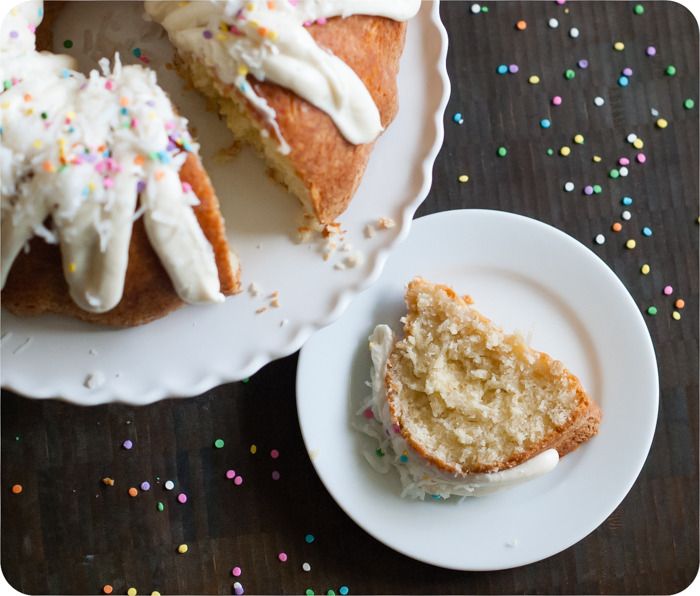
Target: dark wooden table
68	533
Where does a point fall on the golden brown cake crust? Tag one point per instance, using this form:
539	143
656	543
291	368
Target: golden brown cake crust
582	424
329	166
36	285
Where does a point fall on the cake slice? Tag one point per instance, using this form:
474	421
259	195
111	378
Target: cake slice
309	84
470	398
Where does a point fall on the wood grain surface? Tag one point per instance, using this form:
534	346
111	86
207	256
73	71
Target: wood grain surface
67	533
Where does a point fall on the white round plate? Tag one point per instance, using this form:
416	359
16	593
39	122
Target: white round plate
198	347
529	277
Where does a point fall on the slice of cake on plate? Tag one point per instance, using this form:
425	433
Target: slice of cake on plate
466	408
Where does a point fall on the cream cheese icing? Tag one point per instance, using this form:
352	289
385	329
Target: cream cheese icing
83	150
267	39
17	34
418	478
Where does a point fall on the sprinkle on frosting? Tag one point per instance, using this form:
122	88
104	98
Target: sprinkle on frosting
83	150
269	41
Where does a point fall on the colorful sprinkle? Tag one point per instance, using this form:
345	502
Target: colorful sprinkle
533	80
556	100
502	152
182	498
583	63
627	201
553	23
68	43
274	454
238	480
458	118
502	69
671	70
569	74
626	215
597	159
651	51
462	178
614	173
641	158
645	269
630	244
145	485
230	474
309	538
646	231
688	104
588	190
521	25
236	572
344	590
169	485
513	68
597	189
574	32
275	475
253	449
668	290
133	491
238	588
160	506
624	171
616	227
475	8
623	81
679	304
578	139
652	310
545	123
107	589
282	557
638	9
662	123
309	592
676	315
600	239
618	46
182	549
565	151
107	481
17	489
132	592
219	443
207	34
569	186
128	444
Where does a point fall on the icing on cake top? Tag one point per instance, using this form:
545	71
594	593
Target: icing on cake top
269	40
81	151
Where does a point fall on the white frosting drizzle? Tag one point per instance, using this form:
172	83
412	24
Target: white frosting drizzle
418	477
83	150
267	39
17	34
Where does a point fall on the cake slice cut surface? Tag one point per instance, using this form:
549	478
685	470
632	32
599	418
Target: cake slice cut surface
471	398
